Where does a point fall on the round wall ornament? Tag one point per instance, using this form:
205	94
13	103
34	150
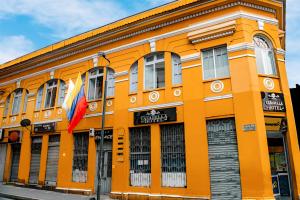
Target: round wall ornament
154	96
93	106
217	86
177	92
109	103
59	111
132	99
269	83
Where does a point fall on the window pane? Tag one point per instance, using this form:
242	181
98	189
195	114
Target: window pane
39	98
134	77
92	85
110	82
62	90
80	157
149	74
6	106
48	98
176	67
160	74
221	61
208	65
99	87
53	96
16	102
25	102
259	60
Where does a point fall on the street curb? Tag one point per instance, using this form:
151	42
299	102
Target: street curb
16	197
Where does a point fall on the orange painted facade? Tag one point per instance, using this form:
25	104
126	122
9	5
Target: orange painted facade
169	29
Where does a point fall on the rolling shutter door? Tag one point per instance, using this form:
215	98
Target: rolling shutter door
223	160
2	160
36	147
15	162
52	160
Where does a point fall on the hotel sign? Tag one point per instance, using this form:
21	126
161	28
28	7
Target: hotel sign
155	116
273	102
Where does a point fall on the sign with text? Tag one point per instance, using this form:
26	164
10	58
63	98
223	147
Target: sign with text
273	102
155	116
108	135
275	124
45	128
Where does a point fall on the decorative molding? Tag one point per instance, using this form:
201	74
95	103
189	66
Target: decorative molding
281	60
177	92
132	99
122	80
192	66
280	51
211	37
18	83
217	86
261	25
122	73
30	100
160	195
52	74
95	61
153	96
218	20
48	121
240	47
190	57
269	83
11	126
97	114
152	45
214	98
179	103
241	56
31	95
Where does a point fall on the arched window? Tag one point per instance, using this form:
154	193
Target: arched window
51	88
16	97
95	83
176	69
133	77
265	60
110	82
154	71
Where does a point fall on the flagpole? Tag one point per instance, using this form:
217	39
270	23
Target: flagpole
100	153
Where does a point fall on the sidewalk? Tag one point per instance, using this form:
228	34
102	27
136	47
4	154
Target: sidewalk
21	193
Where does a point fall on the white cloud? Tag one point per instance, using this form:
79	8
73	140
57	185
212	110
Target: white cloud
14	46
64	17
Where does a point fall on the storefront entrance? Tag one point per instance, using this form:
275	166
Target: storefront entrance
279	166
36	147
16	149
52	160
107	163
2	160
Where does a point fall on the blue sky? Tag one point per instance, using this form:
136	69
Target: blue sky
28	25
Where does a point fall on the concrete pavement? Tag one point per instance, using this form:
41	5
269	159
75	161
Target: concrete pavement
22	193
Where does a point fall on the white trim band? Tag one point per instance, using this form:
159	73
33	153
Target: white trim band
240	47
190	57
122	80
179	103
281	60
226	96
47	121
98	114
242	56
12	126
122	73
192	66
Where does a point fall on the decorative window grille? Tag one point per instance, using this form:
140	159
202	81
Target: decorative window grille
176	69
62	91
110	82
134	77
154	71
25	102
80	157
6	106
39	98
95	84
265	60
140	156
17	99
51	89
173	165
215	63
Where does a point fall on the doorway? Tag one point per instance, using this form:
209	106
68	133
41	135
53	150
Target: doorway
36	148
278	154
16	149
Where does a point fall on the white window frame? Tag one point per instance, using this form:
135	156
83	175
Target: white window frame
61	92
98	74
110	90
17	96
39	98
176	70
133	84
48	87
214	62
25	102
6	108
154	62
267	70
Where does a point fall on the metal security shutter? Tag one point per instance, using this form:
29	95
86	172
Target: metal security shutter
223	160
52	160
3	148
16	148
36	147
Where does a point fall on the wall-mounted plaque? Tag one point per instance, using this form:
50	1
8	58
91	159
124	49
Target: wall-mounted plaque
155	116
273	102
45	128
108	135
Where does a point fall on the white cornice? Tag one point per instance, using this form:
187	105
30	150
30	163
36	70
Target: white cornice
97	114
12	126
122	73
242	56
190	57
48	121
227	96
240	47
214	21
179	103
280	51
192	66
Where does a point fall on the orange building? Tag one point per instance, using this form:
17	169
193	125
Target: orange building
198	106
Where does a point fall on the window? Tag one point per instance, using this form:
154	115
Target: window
154	71
39	98
173	166
51	88
95	84
80	157
215	63
25	102
6	106
110	82
176	69
140	156
17	99
61	94
264	56
134	77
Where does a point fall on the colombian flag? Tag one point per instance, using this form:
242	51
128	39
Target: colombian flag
75	104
